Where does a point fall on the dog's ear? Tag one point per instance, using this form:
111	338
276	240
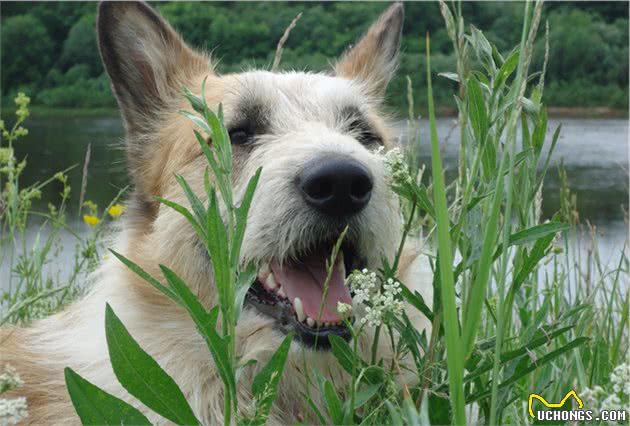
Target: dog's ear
147	61
375	56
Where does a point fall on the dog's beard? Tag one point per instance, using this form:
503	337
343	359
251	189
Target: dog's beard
291	242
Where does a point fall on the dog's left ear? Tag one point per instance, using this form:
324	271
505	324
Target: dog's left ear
375	57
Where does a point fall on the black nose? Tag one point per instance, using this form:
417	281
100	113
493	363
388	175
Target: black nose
336	186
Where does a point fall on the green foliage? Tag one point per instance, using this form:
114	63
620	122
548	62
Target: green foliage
21	65
97	407
31	290
135	369
141	376
589	45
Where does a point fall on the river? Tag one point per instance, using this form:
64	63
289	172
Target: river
593	151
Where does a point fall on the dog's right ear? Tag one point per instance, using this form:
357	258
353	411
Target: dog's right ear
147	61
375	56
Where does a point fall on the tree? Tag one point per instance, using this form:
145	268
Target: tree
26	51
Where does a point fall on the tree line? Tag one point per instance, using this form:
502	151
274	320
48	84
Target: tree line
49	50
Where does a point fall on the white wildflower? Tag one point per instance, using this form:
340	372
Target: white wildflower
363	283
620	379
343	308
396	166
12	411
9	379
381	300
591	397
612	402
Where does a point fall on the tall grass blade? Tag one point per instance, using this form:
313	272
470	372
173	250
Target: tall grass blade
454	358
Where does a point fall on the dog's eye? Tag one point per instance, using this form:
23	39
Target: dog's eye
364	133
241	136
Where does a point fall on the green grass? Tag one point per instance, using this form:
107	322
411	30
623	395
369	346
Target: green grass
520	304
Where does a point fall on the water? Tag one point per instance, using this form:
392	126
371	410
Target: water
594	153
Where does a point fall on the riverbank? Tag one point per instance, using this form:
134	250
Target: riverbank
441	111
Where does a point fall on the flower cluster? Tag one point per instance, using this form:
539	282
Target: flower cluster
343	308
379	300
598	398
22	101
397	167
92	217
620	378
9	379
6	155
591	397
12	410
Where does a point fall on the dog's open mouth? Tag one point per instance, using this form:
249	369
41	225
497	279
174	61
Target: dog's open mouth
295	294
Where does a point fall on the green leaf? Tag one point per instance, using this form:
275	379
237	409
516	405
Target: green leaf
410	413
362	397
416	300
482	48
265	384
241	216
185	297
394	414
206	322
450	75
145	276
315	408
344	354
335	409
142	376
531	261
540	131
217	242
529	367
197	102
244	281
184	212
506	357
537	232
219	349
197	120
507	69
195	202
477	108
97	407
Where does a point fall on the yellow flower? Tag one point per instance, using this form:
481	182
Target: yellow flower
91	220
116	210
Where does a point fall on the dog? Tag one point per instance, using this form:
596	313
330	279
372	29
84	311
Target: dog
314	135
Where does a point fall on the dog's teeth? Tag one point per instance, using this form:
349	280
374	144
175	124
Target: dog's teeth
264	269
310	321
281	293
299	310
271	282
342	265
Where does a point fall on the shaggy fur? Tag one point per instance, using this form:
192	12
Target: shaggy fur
303	116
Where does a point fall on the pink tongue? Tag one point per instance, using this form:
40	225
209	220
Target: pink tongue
306	281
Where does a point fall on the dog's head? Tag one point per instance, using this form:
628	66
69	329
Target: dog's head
313	134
